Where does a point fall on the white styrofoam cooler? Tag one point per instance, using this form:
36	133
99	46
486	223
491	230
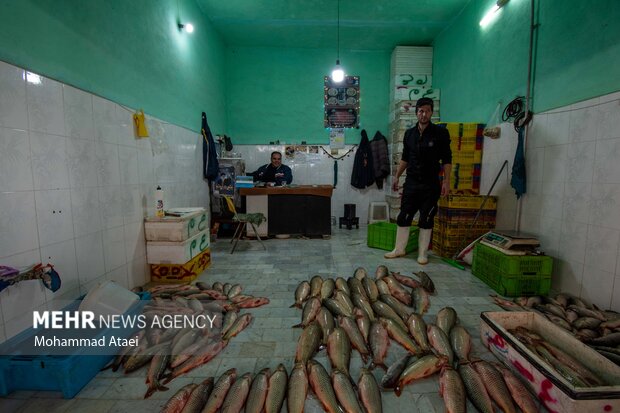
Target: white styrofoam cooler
190	222
170	252
557	394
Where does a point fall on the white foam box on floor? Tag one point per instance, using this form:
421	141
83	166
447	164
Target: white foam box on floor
557	394
189	222
169	252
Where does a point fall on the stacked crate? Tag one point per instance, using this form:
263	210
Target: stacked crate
512	275
466	141
453	228
177	246
411	78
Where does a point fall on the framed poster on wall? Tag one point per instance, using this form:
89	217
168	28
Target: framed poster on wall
342	102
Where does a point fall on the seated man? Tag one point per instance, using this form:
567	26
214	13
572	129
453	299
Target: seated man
274	172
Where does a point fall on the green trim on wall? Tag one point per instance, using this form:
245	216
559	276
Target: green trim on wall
578	51
130	52
277	94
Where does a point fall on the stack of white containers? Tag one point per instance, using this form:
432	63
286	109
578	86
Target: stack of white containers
177	245
411	78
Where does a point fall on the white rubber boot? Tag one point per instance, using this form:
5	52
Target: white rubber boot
424	238
402	237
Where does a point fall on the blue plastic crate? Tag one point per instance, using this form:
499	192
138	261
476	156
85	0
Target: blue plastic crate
65	373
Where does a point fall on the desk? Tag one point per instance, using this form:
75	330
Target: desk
303	209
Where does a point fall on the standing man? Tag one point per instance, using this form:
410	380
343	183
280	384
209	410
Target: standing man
274	172
426	147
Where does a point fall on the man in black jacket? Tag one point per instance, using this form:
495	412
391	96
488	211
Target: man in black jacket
426	147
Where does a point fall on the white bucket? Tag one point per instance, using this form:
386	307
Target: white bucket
108	298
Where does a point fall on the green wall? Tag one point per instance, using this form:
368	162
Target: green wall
130	52
577	56
277	94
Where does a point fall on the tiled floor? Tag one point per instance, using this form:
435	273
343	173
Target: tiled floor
269	340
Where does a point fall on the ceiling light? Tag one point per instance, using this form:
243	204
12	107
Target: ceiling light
338	73
491	14
188	27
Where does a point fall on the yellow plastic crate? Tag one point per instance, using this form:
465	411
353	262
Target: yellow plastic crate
464	129
466	157
466	143
467	202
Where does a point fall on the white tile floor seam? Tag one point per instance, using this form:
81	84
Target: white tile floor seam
270	339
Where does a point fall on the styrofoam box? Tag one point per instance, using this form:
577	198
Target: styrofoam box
412	79
557	394
169	252
171	228
414	93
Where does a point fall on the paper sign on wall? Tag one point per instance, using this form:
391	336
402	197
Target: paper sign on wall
336	138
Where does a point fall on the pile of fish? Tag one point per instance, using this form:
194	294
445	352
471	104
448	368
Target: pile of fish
363	313
267	391
564	364
172	352
597	328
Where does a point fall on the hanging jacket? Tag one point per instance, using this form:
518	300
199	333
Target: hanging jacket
518	181
380	158
363	173
210	164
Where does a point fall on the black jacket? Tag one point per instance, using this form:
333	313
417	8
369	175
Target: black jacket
210	164
363	173
380	158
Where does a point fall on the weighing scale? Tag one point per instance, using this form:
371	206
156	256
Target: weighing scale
511	242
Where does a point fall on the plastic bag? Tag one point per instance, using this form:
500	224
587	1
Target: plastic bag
492	129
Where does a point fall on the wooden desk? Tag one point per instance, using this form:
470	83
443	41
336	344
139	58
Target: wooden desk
303	209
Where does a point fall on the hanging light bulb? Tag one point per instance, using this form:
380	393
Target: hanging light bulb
338	73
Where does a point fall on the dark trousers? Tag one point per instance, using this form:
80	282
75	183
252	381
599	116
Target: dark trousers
421	198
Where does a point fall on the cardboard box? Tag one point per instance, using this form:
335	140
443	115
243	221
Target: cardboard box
174	273
189	222
169	252
557	394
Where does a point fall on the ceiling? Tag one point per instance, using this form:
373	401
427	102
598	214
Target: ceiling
364	24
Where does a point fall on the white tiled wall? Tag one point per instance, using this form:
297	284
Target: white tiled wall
318	169
573	198
75	186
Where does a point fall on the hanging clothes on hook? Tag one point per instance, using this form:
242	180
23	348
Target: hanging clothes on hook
363	172
380	158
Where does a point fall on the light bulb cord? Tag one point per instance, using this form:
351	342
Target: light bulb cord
338	34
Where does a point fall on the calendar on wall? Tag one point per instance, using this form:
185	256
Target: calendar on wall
342	102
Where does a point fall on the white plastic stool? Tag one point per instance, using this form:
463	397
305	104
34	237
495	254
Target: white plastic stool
378	211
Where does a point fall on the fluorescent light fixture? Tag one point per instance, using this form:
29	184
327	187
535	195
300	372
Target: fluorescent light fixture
492	13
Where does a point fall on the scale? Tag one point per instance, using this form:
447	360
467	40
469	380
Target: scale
511	242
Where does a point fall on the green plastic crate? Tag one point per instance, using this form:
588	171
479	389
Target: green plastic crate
382	235
512	275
